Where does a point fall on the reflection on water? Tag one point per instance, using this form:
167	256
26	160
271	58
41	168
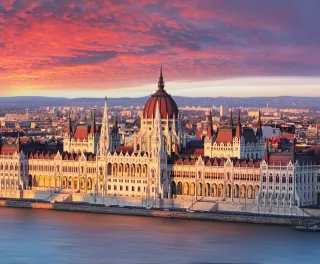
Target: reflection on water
40	236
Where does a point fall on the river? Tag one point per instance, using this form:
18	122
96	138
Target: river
44	236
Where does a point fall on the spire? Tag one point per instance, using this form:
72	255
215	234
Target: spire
158	117
105	109
157	137
209	128
266	151
93	123
115	125
292	152
161	82
231	119
18	142
69	125
104	135
259	125
238	129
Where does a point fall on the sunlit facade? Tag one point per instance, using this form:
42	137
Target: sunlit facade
236	166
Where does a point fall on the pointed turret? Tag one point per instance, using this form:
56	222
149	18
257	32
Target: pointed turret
157	137
231	119
104	142
259	126
209	128
292	151
69	125
93	123
238	129
105	110
158	117
161	82
18	142
115	128
266	152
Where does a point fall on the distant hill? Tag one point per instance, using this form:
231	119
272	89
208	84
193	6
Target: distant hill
21	102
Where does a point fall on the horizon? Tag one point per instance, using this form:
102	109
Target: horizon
207	48
147	96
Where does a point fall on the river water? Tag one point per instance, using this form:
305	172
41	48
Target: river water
41	236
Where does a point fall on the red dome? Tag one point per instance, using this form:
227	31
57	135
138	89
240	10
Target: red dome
167	106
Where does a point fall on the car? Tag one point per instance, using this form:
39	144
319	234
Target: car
149	207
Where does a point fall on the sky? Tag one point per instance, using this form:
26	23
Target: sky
97	48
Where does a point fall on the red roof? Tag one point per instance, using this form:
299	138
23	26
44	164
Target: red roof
225	135
9	149
82	132
275	159
124	149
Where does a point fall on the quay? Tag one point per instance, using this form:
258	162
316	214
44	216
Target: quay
225	216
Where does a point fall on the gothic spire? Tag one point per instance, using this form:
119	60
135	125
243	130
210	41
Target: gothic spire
266	151
93	123
209	128
69	125
231	119
105	109
104	135
238	129
161	82
292	152
115	125
259	125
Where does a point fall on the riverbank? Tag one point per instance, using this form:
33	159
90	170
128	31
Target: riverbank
167	213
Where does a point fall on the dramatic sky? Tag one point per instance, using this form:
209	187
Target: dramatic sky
115	47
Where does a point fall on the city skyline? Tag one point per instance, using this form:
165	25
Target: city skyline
115	48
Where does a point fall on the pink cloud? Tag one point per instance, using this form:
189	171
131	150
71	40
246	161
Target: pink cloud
82	43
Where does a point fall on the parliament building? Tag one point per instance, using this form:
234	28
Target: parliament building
235	166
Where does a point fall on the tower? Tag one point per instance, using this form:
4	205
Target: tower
92	137
259	126
238	128
67	135
115	137
209	136
209	128
157	146
231	119
104	141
